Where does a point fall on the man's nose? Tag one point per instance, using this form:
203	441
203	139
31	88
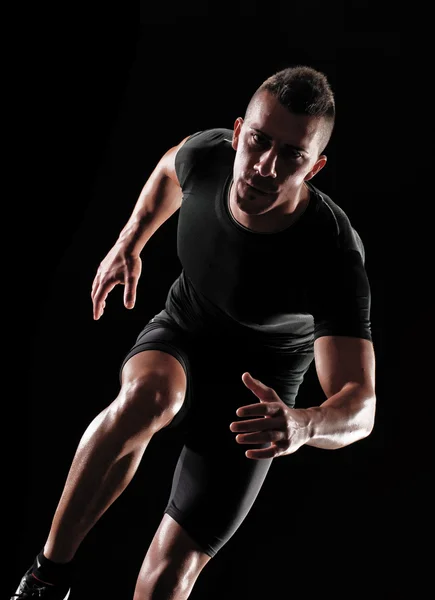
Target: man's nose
266	166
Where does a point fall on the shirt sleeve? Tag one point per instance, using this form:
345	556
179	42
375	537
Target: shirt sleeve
342	292
196	150
188	156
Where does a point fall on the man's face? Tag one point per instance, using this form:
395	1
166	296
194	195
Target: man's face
276	151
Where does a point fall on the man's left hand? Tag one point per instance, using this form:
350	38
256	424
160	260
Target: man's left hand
287	429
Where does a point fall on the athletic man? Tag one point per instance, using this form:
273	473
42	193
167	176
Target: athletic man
272	277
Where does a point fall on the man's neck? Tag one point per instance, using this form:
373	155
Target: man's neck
273	220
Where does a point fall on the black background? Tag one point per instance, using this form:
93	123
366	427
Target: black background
98	100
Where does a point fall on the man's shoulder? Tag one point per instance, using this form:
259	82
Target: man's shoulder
337	222
198	147
208	138
330	211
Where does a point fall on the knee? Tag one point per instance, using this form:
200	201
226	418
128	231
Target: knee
168	584
148	401
167	581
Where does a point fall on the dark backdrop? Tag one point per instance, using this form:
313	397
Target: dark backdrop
103	99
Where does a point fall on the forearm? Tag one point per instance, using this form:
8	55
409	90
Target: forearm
342	419
158	200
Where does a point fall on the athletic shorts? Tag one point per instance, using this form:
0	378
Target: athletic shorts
214	483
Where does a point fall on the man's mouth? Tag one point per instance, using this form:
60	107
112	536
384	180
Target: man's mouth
260	190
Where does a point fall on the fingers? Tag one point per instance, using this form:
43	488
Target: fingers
263	392
251	382
261	437
247	378
255	425
103	285
260	431
117	268
262	453
130	291
99	296
260	409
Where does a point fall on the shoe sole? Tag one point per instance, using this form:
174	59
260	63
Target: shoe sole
65	597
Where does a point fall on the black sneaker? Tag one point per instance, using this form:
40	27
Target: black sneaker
30	588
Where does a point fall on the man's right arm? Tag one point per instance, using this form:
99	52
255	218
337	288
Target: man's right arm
159	199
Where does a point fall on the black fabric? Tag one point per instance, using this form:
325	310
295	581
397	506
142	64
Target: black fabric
51	572
211	460
212	493
285	288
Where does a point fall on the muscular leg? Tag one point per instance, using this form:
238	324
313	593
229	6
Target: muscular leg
208	517
152	392
171	566
214	487
214	484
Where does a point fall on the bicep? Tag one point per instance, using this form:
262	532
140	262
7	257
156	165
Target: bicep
342	360
167	162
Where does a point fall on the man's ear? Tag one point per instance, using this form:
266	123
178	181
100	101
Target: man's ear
236	133
320	163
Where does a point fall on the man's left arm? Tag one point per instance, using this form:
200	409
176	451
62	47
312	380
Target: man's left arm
345	368
346	372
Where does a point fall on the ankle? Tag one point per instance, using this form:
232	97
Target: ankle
49	571
60	556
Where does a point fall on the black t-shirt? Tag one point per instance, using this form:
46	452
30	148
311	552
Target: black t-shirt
283	289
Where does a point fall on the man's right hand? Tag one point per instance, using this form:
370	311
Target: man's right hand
117	267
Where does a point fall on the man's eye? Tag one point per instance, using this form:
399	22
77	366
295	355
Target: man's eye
257	139
292	153
288	152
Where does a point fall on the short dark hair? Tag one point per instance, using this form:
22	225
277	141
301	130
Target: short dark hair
304	91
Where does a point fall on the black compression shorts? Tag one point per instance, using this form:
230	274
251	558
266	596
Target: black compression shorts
214	483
